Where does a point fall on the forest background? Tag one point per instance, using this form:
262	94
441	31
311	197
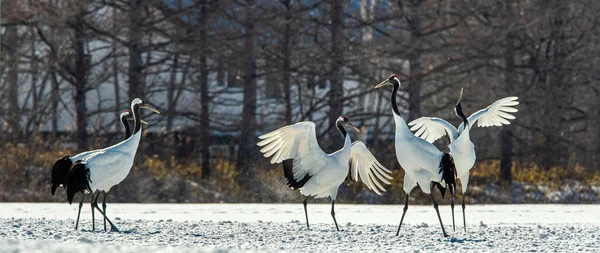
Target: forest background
223	72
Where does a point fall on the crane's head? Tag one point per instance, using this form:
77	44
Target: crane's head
458	107
128	115
343	121
392	80
138	102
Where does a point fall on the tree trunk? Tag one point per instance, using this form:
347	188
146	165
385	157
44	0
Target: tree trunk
555	91
287	72
247	142
12	77
80	84
136	78
55	100
171	103
204	96
336	91
415	77
115	65
506	138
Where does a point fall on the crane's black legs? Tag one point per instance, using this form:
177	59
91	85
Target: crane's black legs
435	205
464	217
94	203
403	213
452	207
113	228
79	211
305	212
333	214
104	209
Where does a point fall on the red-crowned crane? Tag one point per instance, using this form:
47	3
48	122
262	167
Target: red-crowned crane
105	168
318	174
422	162
62	166
461	147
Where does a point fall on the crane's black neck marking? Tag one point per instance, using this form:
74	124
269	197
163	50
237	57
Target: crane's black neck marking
340	127
394	93
136	118
460	114
125	123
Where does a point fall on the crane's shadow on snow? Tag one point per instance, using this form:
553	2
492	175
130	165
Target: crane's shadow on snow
125	232
463	240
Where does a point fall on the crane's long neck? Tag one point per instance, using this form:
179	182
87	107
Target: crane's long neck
126	126
394	102
401	127
342	130
136	118
460	114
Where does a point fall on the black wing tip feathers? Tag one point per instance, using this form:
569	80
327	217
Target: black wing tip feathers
77	180
449	174
288	172
60	169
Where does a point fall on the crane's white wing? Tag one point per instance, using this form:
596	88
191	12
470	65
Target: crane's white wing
297	142
364	165
82	155
109	161
497	114
431	128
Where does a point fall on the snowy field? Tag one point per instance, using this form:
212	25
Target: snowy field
44	227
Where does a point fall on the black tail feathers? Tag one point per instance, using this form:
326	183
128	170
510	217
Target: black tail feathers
59	172
288	166
448	170
77	180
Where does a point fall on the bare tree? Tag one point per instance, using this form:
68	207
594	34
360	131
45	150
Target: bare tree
12	59
509	81
204	91
247	124
336	80
136	75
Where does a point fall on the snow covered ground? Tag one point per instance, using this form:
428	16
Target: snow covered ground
48	227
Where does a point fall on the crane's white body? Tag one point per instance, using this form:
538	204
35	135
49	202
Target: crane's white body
463	152
461	147
327	171
419	158
326	181
109	166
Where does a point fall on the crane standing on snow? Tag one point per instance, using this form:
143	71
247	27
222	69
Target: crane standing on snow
422	162
461	147
317	174
61	167
107	167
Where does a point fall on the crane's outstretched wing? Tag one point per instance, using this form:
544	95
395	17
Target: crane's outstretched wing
497	114
295	145
364	165
431	128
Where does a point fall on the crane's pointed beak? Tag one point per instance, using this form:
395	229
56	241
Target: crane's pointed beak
460	96
143	122
149	107
353	127
384	83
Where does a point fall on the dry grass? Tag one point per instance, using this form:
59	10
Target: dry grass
25	176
